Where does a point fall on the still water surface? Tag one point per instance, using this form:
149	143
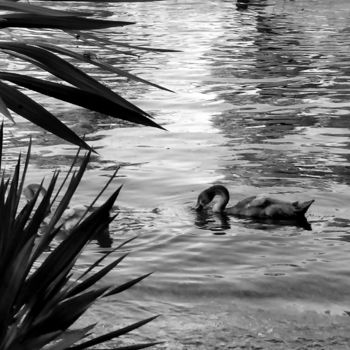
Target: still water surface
261	106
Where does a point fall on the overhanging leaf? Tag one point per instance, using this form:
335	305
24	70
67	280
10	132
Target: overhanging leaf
98	40
66	71
79	97
32	111
37	10
25	20
102	65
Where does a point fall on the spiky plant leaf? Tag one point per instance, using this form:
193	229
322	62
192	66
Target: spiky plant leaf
37	10
99	64
66	71
98	262
29	20
40	299
4	110
79	97
70	338
65	313
114	334
99	40
69	249
36	342
29	109
127	285
89	282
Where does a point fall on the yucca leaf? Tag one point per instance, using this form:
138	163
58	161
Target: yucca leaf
113	334
68	174
12	201
66	313
3	216
97	262
70	248
35	343
69	338
23	217
37	307
24	169
29	20
23	226
73	185
103	44
66	71
29	109
102	65
25	58
79	97
45	300
89	282
64	202
42	210
144	48
126	285
37	10
11	283
1	138
111	178
49	233
4	111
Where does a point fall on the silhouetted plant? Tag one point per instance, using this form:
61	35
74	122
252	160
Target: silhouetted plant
41	296
83	90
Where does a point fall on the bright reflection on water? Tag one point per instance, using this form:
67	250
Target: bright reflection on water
262	106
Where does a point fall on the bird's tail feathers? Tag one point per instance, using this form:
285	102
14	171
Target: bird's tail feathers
302	208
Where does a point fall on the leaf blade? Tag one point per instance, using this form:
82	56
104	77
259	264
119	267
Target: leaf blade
32	111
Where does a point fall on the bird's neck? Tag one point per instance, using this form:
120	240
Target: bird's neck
221	198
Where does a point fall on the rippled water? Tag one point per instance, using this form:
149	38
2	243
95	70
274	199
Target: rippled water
261	106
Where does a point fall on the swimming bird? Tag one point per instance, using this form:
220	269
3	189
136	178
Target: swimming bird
259	207
30	191
71	216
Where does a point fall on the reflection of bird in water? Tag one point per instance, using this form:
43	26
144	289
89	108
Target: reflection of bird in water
217	222
71	216
259	207
242	4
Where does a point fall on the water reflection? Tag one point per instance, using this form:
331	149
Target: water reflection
285	73
216	222
219	222
242	4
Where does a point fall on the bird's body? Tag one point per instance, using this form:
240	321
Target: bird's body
72	216
260	207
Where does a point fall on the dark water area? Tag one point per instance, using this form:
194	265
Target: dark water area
261	105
